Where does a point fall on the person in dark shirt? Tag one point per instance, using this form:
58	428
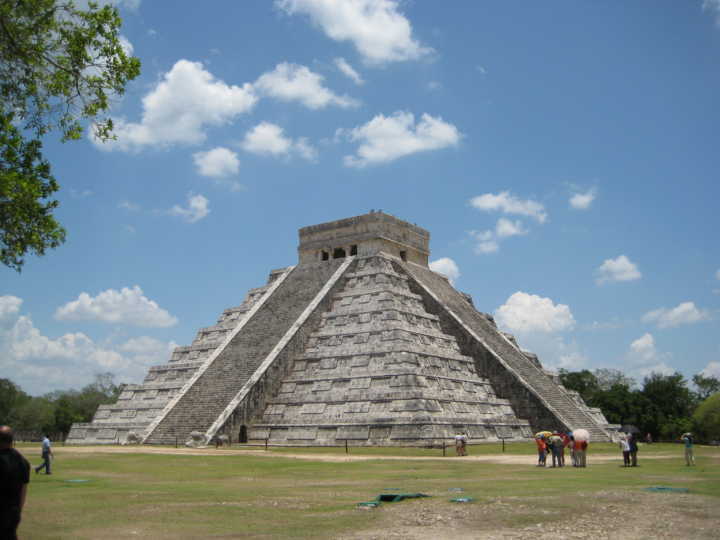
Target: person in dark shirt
14	478
632	441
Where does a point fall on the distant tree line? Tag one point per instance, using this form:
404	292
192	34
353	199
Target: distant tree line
664	406
54	412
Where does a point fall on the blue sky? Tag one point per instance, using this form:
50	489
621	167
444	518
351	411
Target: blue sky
563	157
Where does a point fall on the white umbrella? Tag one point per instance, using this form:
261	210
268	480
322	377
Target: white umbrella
581	435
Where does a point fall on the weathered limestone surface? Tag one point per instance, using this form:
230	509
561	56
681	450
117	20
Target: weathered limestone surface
513	373
208	396
380	370
360	342
140	404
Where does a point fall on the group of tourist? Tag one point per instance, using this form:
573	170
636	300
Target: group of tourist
555	444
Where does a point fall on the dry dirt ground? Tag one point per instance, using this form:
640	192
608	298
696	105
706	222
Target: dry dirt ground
504	459
623	516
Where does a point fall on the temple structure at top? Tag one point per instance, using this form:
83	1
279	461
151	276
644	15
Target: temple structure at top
359	342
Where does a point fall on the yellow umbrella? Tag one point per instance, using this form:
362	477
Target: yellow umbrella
543	434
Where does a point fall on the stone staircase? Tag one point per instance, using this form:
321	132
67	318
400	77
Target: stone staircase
526	373
207	396
378	369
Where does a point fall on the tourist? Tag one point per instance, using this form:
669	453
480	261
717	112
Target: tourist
581	453
625	447
566	443
571	447
632	442
47	455
648	438
458	444
556	445
687	438
542	450
14	478
463	443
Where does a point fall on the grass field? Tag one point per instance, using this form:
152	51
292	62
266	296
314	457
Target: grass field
238	493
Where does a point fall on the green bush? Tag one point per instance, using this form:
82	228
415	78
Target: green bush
707	419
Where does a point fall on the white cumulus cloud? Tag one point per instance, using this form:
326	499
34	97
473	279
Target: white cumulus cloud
507	203
218	162
447	267
293	82
376	28
387	138
485	242
347	70
489	241
197	209
9	307
711	370
618	269
269	139
40	364
127	306
527	313
644	358
504	228
180	107
683	313
582	201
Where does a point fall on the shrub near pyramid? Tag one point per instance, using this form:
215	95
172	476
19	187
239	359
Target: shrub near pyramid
359	342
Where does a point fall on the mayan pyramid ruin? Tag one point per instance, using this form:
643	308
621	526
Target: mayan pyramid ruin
359	342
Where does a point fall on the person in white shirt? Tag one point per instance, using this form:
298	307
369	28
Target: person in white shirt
47	454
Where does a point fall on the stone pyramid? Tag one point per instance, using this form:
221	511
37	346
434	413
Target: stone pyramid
379	369
359	342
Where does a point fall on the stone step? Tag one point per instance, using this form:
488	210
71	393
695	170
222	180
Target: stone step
211	393
527	374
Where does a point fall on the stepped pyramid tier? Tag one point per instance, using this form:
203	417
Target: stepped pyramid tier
359	342
139	404
380	370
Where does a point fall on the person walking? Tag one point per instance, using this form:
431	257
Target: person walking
687	438
14	478
47	455
632	442
571	447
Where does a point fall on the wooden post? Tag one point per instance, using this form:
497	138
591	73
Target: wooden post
176	441
444	449
503	440
346	448
266	443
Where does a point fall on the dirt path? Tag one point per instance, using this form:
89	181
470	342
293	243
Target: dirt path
600	515
503	459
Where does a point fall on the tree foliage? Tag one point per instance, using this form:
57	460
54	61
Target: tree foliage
60	66
707	418
664	405
706	386
55	412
